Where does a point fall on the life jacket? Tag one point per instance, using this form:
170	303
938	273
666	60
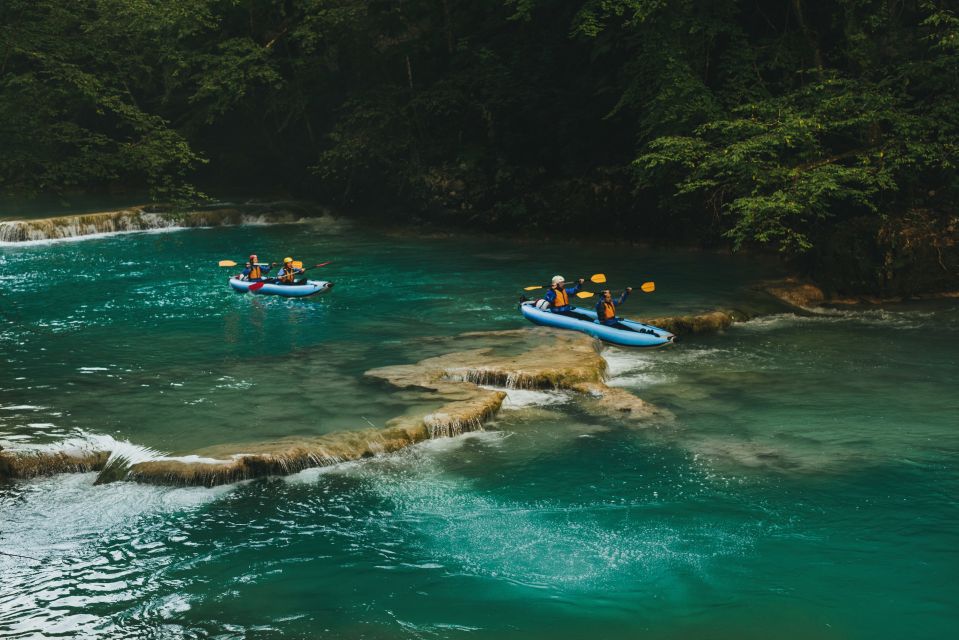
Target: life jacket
255	273
562	298
288	275
607	311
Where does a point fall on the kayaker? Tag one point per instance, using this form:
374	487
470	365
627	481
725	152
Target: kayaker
558	295
606	307
255	270
288	273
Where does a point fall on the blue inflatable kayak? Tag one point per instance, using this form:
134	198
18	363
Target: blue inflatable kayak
627	333
299	289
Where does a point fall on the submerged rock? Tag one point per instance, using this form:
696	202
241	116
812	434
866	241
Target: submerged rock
619	403
231	463
458	381
703	323
453	397
795	293
35	463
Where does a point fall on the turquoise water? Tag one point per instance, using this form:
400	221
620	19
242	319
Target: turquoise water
806	487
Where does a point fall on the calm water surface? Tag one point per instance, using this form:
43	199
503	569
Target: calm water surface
807	487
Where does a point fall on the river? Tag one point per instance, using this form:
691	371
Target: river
804	485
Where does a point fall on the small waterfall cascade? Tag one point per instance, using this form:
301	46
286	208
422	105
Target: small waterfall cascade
139	219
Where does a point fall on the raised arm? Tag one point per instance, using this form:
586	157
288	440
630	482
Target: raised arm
576	287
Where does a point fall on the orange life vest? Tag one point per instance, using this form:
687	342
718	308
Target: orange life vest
562	298
607	311
288	275
255	273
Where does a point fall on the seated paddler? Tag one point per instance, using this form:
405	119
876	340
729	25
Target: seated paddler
559	294
255	270
288	272
606	307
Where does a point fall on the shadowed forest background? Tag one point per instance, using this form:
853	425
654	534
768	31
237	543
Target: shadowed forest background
825	131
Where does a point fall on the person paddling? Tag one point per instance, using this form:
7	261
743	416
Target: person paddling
288	272
558	295
606	307
255	270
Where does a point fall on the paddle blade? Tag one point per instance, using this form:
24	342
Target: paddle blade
297	264
648	287
585	294
322	264
227	263
598	278
256	286
533	288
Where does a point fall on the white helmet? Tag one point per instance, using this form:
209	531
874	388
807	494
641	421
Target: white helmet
558	279
542	304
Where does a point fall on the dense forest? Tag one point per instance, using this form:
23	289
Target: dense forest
825	131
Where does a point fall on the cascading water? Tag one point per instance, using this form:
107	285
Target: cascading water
139	219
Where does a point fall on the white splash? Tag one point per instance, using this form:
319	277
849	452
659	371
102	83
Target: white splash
523	398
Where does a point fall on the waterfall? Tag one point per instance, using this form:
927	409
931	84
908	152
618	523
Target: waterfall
137	219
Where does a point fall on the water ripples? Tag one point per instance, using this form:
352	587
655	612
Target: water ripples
811	446
105	549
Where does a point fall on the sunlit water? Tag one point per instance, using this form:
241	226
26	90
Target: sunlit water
807	487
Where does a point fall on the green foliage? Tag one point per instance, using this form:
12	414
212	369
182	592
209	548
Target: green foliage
780	167
784	169
69	114
767	124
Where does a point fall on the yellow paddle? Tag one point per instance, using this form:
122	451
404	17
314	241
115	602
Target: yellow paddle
298	264
231	263
646	287
598	278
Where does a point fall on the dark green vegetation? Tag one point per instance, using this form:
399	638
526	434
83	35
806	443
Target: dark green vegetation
828	131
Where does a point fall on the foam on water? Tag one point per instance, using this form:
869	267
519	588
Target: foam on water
443	445
641	380
912	319
82	442
640	370
543	544
621	361
524	398
108	545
